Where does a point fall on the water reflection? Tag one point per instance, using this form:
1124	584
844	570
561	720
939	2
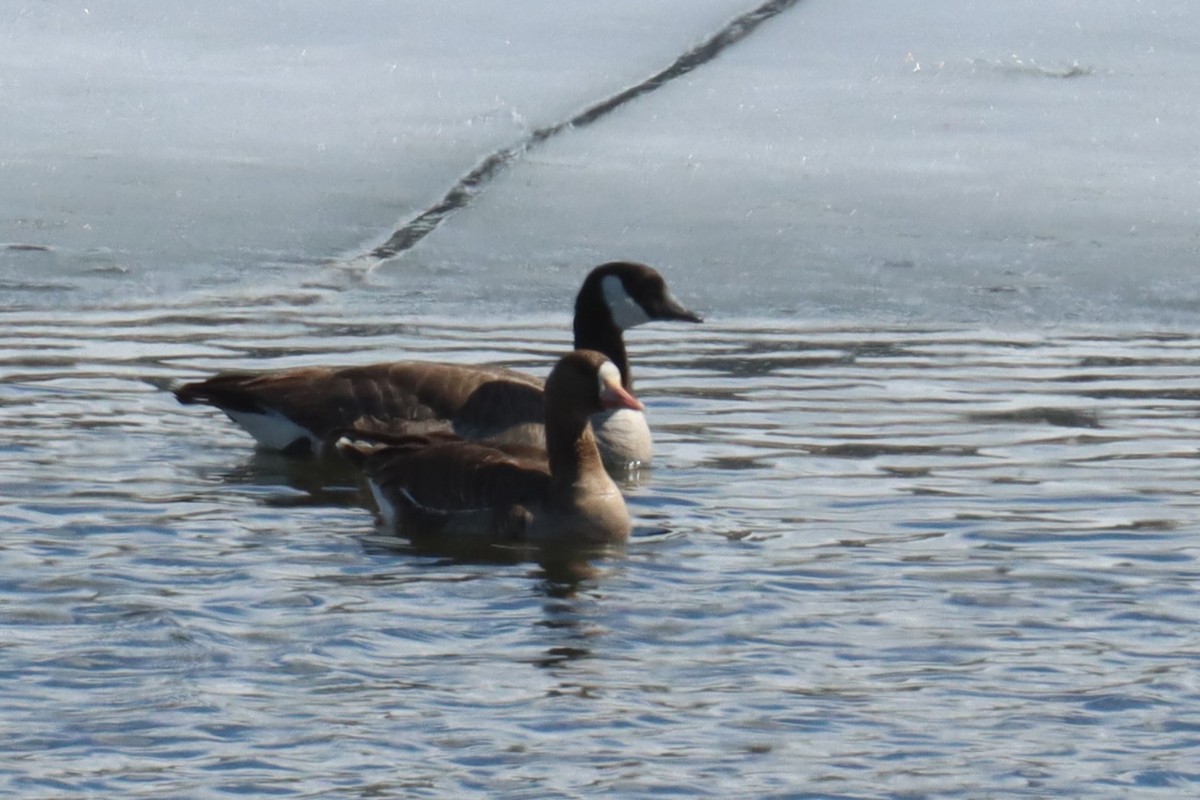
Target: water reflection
290	482
560	576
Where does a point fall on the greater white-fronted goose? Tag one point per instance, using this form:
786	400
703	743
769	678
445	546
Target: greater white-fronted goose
444	486
299	410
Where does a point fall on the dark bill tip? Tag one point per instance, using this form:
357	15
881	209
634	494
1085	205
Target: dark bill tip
673	311
669	308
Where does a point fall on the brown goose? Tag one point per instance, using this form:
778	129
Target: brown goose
300	410
444	486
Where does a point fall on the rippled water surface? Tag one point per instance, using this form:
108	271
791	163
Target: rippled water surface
869	562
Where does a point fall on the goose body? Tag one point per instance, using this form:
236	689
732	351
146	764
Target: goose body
300	410
440	485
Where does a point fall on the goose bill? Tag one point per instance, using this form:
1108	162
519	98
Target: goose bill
672	309
612	393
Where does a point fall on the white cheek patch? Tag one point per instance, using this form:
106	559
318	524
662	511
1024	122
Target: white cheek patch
626	312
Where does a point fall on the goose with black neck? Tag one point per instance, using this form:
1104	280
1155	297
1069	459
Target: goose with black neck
300	410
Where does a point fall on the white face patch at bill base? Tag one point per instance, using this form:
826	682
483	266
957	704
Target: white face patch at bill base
626	312
608	375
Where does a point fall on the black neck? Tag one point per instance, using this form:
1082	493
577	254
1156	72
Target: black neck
599	332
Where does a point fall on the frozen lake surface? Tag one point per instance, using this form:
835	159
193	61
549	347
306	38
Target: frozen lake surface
924	161
924	518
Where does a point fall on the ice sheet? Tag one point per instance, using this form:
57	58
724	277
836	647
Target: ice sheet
931	161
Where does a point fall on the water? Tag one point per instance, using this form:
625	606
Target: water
923	519
869	562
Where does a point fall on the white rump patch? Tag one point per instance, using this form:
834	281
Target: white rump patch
273	430
386	509
626	312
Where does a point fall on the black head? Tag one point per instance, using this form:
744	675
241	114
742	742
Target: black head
631	294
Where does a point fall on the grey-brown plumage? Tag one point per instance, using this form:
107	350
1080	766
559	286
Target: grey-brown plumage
299	410
440	485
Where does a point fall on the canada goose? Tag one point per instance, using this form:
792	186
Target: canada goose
441	485
299	410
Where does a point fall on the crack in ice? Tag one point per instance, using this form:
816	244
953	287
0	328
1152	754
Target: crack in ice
471	184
